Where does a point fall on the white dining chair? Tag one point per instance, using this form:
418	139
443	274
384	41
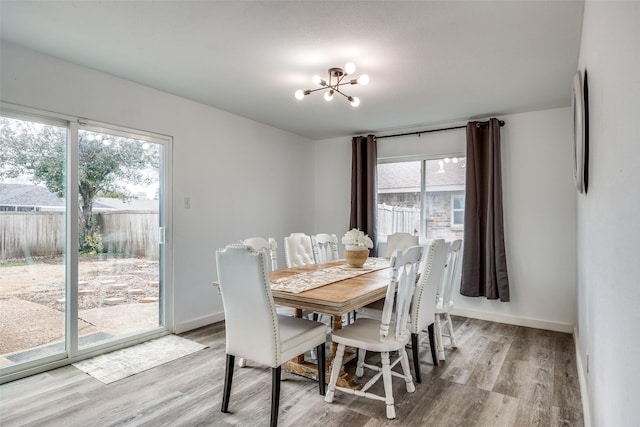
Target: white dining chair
270	246
444	302
423	305
325	247
390	334
263	336
400	241
298	250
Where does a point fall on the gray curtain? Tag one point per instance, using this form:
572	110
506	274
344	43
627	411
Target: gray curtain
484	262
364	193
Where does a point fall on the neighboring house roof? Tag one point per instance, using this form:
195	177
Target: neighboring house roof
28	195
404	177
36	195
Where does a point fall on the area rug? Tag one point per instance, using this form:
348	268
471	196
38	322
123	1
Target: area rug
129	361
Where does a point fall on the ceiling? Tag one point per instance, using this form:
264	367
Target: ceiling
429	62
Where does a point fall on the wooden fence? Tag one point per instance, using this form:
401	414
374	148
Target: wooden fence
393	219
32	234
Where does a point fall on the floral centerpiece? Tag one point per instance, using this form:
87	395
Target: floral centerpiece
356	247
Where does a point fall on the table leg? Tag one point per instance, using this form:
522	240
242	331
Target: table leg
298	313
336	324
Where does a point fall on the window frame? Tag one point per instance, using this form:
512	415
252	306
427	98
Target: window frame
454	225
423	185
73	123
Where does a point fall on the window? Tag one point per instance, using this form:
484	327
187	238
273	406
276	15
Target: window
457	210
423	197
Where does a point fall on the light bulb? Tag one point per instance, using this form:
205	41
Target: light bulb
454	160
299	94
350	68
363	80
446	160
328	96
355	102
316	79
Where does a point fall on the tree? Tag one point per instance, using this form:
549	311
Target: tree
106	164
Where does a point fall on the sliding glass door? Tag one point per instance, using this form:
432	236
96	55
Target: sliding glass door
82	250
33	203
119	262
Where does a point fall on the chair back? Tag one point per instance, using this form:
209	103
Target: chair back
325	247
452	270
251	323
404	268
298	250
270	247
423	305
401	241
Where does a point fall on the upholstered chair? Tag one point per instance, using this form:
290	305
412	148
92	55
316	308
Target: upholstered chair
423	304
400	241
298	250
253	329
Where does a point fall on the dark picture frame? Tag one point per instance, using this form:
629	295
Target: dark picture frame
580	131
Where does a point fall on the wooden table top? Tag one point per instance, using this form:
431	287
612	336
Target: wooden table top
336	298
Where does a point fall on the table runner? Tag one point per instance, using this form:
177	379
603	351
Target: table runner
301	282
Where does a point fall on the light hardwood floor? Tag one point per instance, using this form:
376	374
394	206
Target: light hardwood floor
501	375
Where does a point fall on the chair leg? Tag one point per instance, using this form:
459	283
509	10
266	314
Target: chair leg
432	345
275	394
452	338
408	379
320	350
388	388
362	353
438	332
416	360
335	370
228	378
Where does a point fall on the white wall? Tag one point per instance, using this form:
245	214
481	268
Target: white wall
539	211
243	178
608	227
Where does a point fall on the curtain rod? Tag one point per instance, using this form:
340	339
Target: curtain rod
501	122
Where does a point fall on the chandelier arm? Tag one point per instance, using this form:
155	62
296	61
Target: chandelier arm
347	83
308	91
341	93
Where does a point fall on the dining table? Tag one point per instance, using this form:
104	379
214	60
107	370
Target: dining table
337	297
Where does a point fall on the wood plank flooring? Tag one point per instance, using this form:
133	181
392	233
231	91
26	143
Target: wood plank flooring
500	375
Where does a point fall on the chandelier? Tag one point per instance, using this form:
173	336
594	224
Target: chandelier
337	78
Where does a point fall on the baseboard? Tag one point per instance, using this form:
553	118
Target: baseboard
515	320
584	391
198	323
